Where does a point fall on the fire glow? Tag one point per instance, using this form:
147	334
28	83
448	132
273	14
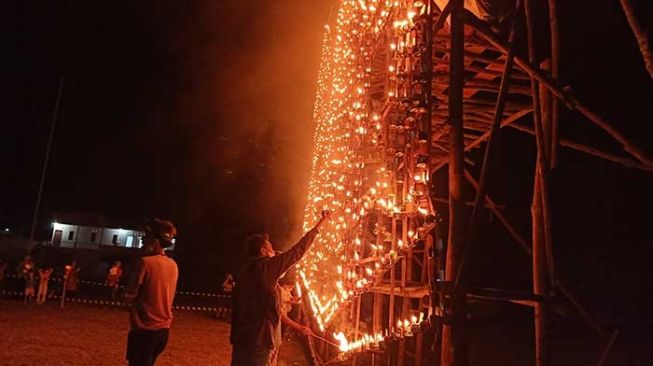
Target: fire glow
405	328
344	261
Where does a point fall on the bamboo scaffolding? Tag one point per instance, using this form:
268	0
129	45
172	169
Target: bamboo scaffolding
467	104
563	94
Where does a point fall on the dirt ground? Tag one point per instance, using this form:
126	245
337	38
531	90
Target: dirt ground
83	335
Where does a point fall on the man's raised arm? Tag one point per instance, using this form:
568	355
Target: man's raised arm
279	264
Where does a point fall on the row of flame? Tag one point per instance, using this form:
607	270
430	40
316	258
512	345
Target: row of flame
342	180
403	329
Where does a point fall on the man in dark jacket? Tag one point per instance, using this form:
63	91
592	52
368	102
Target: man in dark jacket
256	326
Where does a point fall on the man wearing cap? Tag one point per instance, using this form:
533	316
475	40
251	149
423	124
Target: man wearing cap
256	310
151	291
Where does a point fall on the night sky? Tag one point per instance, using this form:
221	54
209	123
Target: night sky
200	112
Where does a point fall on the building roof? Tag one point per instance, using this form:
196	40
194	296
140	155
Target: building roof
91	219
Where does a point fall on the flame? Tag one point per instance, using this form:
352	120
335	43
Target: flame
339	265
298	288
365	341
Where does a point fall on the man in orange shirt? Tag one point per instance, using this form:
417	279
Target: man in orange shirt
151	291
113	279
44	279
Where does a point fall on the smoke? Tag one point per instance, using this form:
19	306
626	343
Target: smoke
246	76
199	112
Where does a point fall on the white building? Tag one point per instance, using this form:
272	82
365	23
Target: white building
68	235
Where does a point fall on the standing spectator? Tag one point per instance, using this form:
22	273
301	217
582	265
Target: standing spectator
228	283
152	290
286	300
30	282
24	267
44	279
113	279
71	276
256	317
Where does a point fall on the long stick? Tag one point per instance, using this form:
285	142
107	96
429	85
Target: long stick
47	158
324	339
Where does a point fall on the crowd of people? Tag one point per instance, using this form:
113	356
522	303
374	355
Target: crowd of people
261	294
34	281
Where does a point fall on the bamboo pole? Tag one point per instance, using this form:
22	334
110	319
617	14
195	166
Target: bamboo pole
378	298
496	124
562	94
427	63
640	35
539	209
608	347
442	17
377	313
391	309
406	261
404	272
545	108
53	124
425	277
452	354
540	280
467	203
555	75
356	327
626	162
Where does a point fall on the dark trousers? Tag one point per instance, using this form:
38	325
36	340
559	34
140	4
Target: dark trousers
250	356
144	346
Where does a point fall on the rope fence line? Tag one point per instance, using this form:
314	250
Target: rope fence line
221	311
104	284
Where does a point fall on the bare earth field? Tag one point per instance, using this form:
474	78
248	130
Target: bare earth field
80	335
